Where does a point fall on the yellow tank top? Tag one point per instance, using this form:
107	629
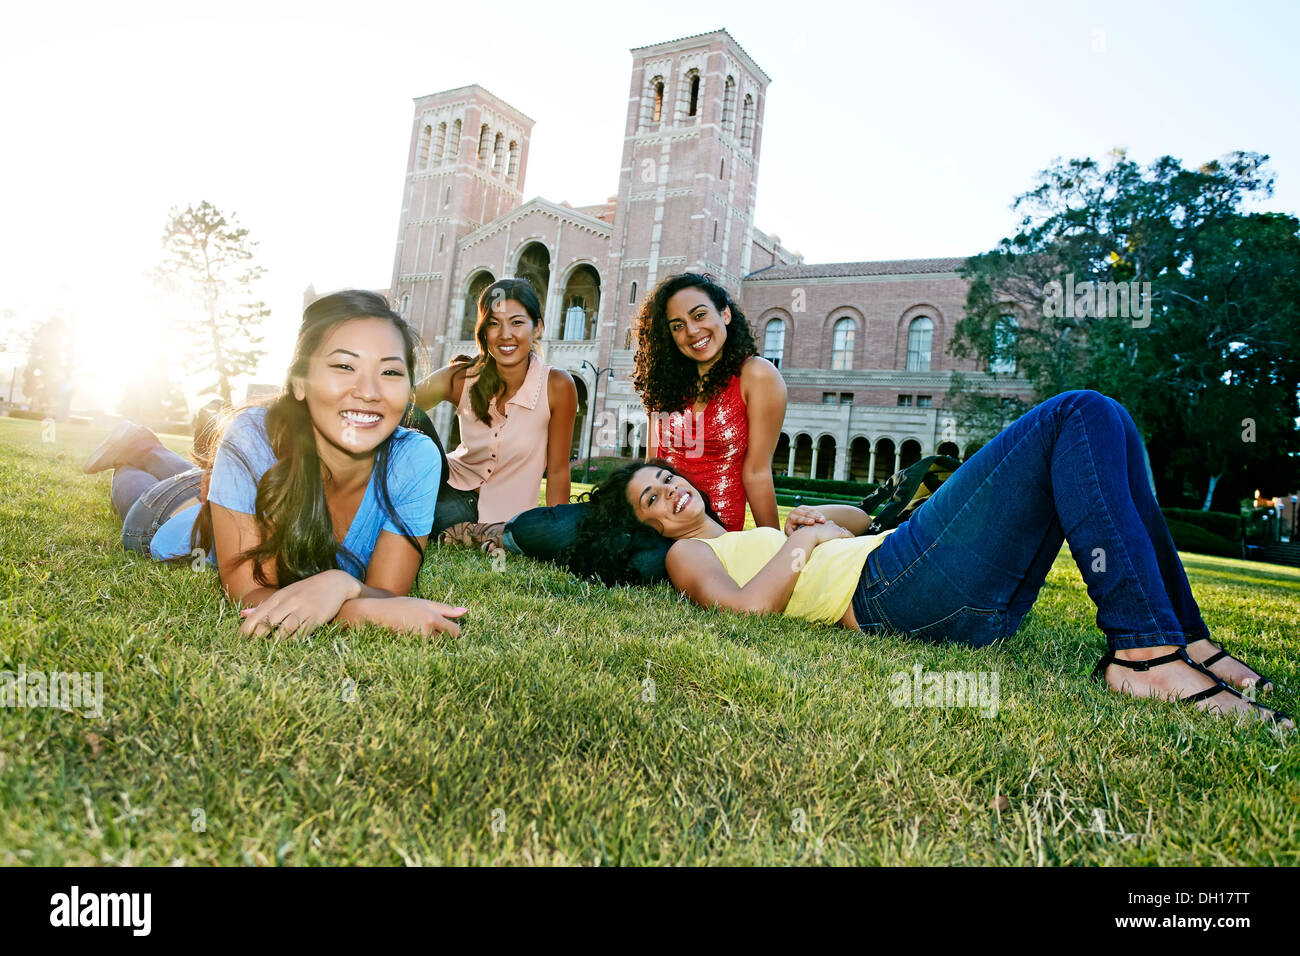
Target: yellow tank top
825	585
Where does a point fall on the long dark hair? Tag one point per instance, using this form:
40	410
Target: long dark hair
610	533
490	384
292	513
666	379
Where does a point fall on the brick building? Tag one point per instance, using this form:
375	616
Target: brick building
860	344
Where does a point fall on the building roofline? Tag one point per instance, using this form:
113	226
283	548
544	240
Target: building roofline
483	91
744	54
538	202
879	267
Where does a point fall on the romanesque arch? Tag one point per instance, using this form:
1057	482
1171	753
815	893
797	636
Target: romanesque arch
478	281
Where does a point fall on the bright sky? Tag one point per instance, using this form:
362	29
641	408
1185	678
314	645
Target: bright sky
892	130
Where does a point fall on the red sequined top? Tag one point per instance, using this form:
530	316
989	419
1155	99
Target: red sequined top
708	449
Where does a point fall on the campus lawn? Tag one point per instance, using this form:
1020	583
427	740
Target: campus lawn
533	738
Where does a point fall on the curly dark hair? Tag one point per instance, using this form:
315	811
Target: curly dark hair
666	379
610	533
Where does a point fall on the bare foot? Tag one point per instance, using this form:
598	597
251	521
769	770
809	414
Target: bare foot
1176	680
1228	669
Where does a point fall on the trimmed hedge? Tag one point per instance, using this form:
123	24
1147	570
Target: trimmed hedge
601	468
787	498
824	486
1190	537
1216	523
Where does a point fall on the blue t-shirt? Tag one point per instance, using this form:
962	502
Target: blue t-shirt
414	471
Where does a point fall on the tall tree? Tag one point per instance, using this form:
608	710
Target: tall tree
210	258
1209	363
47	377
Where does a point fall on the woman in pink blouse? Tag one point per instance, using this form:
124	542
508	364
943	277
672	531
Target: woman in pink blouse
516	417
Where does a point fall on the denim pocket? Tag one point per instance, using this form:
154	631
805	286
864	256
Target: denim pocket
968	625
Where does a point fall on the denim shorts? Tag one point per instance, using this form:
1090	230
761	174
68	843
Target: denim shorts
155	506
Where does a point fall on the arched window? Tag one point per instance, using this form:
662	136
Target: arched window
631	300
774	342
722	169
439	144
446	196
715	230
657	111
844	332
477	283
453	147
406	305
442	241
747	122
919	334
694	106
1003	359
513	171
422	156
484	144
499	154
729	102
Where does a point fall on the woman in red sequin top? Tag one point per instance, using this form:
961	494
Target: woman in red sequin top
715	405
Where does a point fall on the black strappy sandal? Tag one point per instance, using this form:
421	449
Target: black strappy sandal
1263	684
1099	673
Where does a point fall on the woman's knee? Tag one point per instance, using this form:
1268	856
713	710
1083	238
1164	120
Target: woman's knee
1088	402
136	542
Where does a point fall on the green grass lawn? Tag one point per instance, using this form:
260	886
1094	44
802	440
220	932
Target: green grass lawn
533	738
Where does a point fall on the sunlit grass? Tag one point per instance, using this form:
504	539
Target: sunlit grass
760	740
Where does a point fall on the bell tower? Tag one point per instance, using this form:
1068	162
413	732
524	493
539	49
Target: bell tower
465	167
687	182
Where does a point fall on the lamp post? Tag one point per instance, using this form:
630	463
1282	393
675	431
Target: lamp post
591	409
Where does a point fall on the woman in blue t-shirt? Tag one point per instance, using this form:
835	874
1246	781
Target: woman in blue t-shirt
317	507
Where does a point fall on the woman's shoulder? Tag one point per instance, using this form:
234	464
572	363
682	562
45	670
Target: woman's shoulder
557	376
758	369
560	387
411	451
247	429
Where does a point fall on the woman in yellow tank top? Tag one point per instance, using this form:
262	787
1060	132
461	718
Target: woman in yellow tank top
968	565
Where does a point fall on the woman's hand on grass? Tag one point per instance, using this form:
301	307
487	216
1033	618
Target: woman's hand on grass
414	615
301	607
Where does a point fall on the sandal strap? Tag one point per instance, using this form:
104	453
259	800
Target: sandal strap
1224	652
1207	693
1099	673
1108	659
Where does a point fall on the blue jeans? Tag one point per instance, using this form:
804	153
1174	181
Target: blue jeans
150	489
454	507
545	533
968	565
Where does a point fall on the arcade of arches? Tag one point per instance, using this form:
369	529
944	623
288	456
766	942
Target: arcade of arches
807	458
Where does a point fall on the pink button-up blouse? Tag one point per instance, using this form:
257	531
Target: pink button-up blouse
504	461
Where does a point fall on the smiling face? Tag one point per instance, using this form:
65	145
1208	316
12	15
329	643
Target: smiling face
697	327
357	386
665	501
508	332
